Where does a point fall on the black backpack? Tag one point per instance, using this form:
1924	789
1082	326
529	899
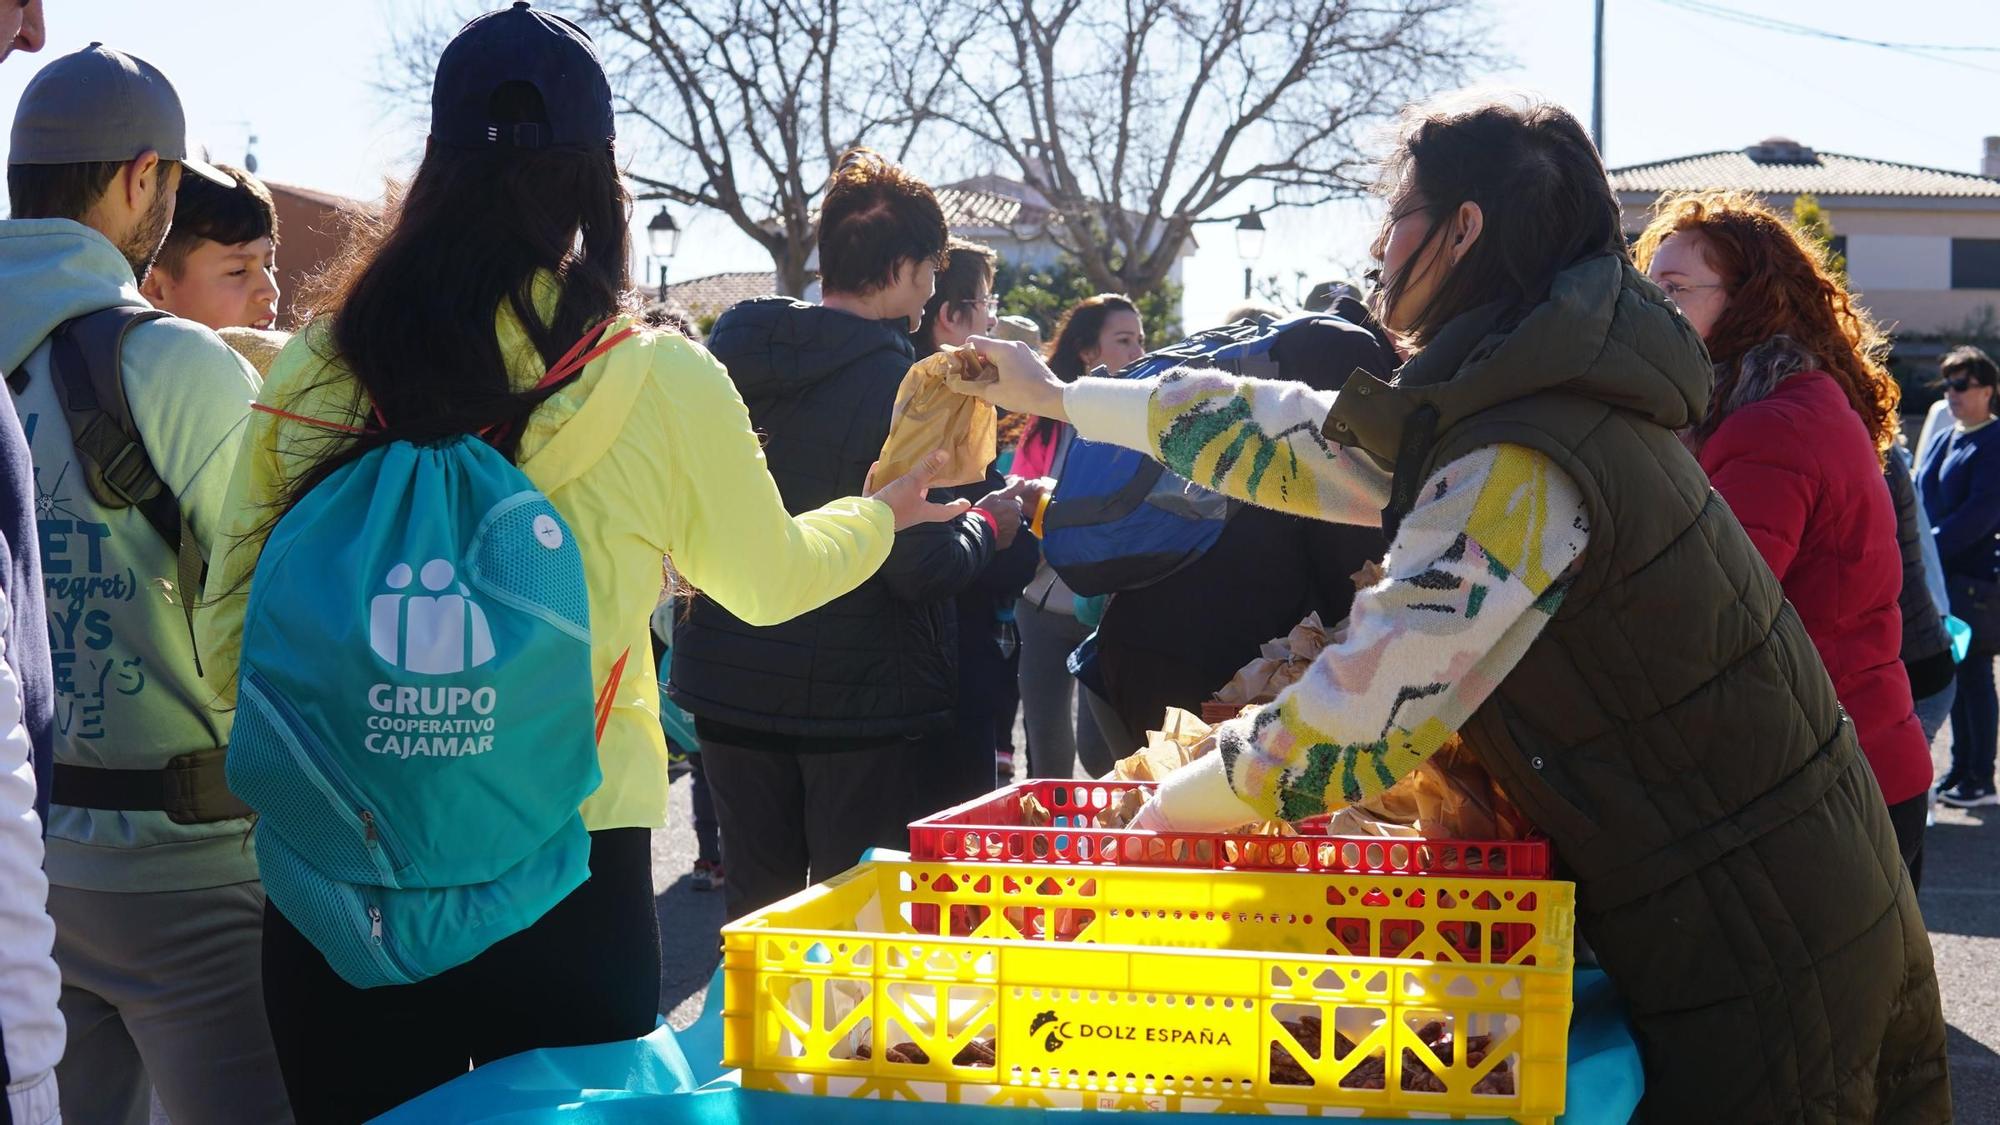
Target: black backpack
86	361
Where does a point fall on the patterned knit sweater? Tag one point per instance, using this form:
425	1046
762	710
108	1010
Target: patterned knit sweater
1475	570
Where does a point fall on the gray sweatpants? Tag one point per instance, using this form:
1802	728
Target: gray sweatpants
1060	726
165	991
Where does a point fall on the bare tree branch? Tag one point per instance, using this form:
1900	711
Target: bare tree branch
1137	119
739	106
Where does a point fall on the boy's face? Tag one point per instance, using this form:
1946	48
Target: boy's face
219	285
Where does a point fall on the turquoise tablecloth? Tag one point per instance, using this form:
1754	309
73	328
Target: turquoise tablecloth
676	1079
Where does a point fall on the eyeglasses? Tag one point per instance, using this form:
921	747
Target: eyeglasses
992	304
1674	289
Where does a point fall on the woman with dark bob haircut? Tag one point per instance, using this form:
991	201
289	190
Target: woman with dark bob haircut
1566	592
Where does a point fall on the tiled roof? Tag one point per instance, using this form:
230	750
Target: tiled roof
987	204
707	296
1787	168
969	208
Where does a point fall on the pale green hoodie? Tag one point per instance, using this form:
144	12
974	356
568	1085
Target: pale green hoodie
127	696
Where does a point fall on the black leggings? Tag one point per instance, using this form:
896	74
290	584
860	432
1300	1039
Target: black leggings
588	972
1907	818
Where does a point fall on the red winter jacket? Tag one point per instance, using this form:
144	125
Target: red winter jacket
1798	469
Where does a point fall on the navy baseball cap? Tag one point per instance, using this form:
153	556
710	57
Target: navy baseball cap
520	45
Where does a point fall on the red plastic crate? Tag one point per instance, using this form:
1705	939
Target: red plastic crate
989	830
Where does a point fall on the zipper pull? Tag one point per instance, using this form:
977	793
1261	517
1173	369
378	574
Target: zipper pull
368	827
375	924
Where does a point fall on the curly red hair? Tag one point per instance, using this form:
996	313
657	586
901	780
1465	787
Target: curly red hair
1778	284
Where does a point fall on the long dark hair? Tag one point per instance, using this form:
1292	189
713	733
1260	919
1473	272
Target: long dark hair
1543	197
1080	328
474	233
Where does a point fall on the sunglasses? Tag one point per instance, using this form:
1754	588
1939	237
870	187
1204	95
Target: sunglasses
1962	384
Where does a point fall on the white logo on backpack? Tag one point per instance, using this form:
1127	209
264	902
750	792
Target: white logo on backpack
429	635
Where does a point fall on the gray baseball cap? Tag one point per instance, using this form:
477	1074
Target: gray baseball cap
102	105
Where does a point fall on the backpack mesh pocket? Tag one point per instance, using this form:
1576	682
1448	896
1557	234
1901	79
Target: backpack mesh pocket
526	554
374	936
331	914
272	772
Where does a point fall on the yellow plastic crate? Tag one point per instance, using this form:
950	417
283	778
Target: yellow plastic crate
1144	988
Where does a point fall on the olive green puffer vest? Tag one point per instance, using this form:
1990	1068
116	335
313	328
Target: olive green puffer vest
1674	731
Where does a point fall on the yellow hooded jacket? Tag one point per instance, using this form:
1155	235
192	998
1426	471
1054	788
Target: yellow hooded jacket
648	453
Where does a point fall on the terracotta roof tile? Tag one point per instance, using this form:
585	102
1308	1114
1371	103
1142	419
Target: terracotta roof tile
708	296
1783	168
966	208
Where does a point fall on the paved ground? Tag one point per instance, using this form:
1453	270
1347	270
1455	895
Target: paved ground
690	921
1961	903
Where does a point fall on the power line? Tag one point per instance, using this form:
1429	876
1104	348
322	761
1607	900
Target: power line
1928	51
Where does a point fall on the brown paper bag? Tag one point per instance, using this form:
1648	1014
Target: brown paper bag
1180	741
930	415
1449	796
1279	665
1457	799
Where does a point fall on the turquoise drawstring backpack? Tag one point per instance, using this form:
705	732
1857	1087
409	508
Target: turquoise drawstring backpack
416	722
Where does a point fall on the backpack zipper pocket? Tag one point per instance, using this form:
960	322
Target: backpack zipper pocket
329	780
376	939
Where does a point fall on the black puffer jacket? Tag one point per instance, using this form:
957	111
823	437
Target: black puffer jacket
1174	643
880	662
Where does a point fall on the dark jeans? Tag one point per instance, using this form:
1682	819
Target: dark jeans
1010	708
1975	721
791	819
707	831
1908	817
588	972
971	770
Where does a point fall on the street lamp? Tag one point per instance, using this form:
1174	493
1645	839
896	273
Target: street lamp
663	237
1249	244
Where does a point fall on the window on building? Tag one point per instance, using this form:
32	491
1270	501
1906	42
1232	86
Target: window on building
1975	263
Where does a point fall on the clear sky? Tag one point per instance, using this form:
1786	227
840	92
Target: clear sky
298	73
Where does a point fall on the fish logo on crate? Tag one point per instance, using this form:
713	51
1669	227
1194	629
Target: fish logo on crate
1055	1040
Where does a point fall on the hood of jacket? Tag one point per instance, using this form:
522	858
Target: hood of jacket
776	346
1603	333
554	452
52	270
1762	369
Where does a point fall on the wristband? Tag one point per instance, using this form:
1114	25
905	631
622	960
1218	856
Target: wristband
992	524
1041	509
